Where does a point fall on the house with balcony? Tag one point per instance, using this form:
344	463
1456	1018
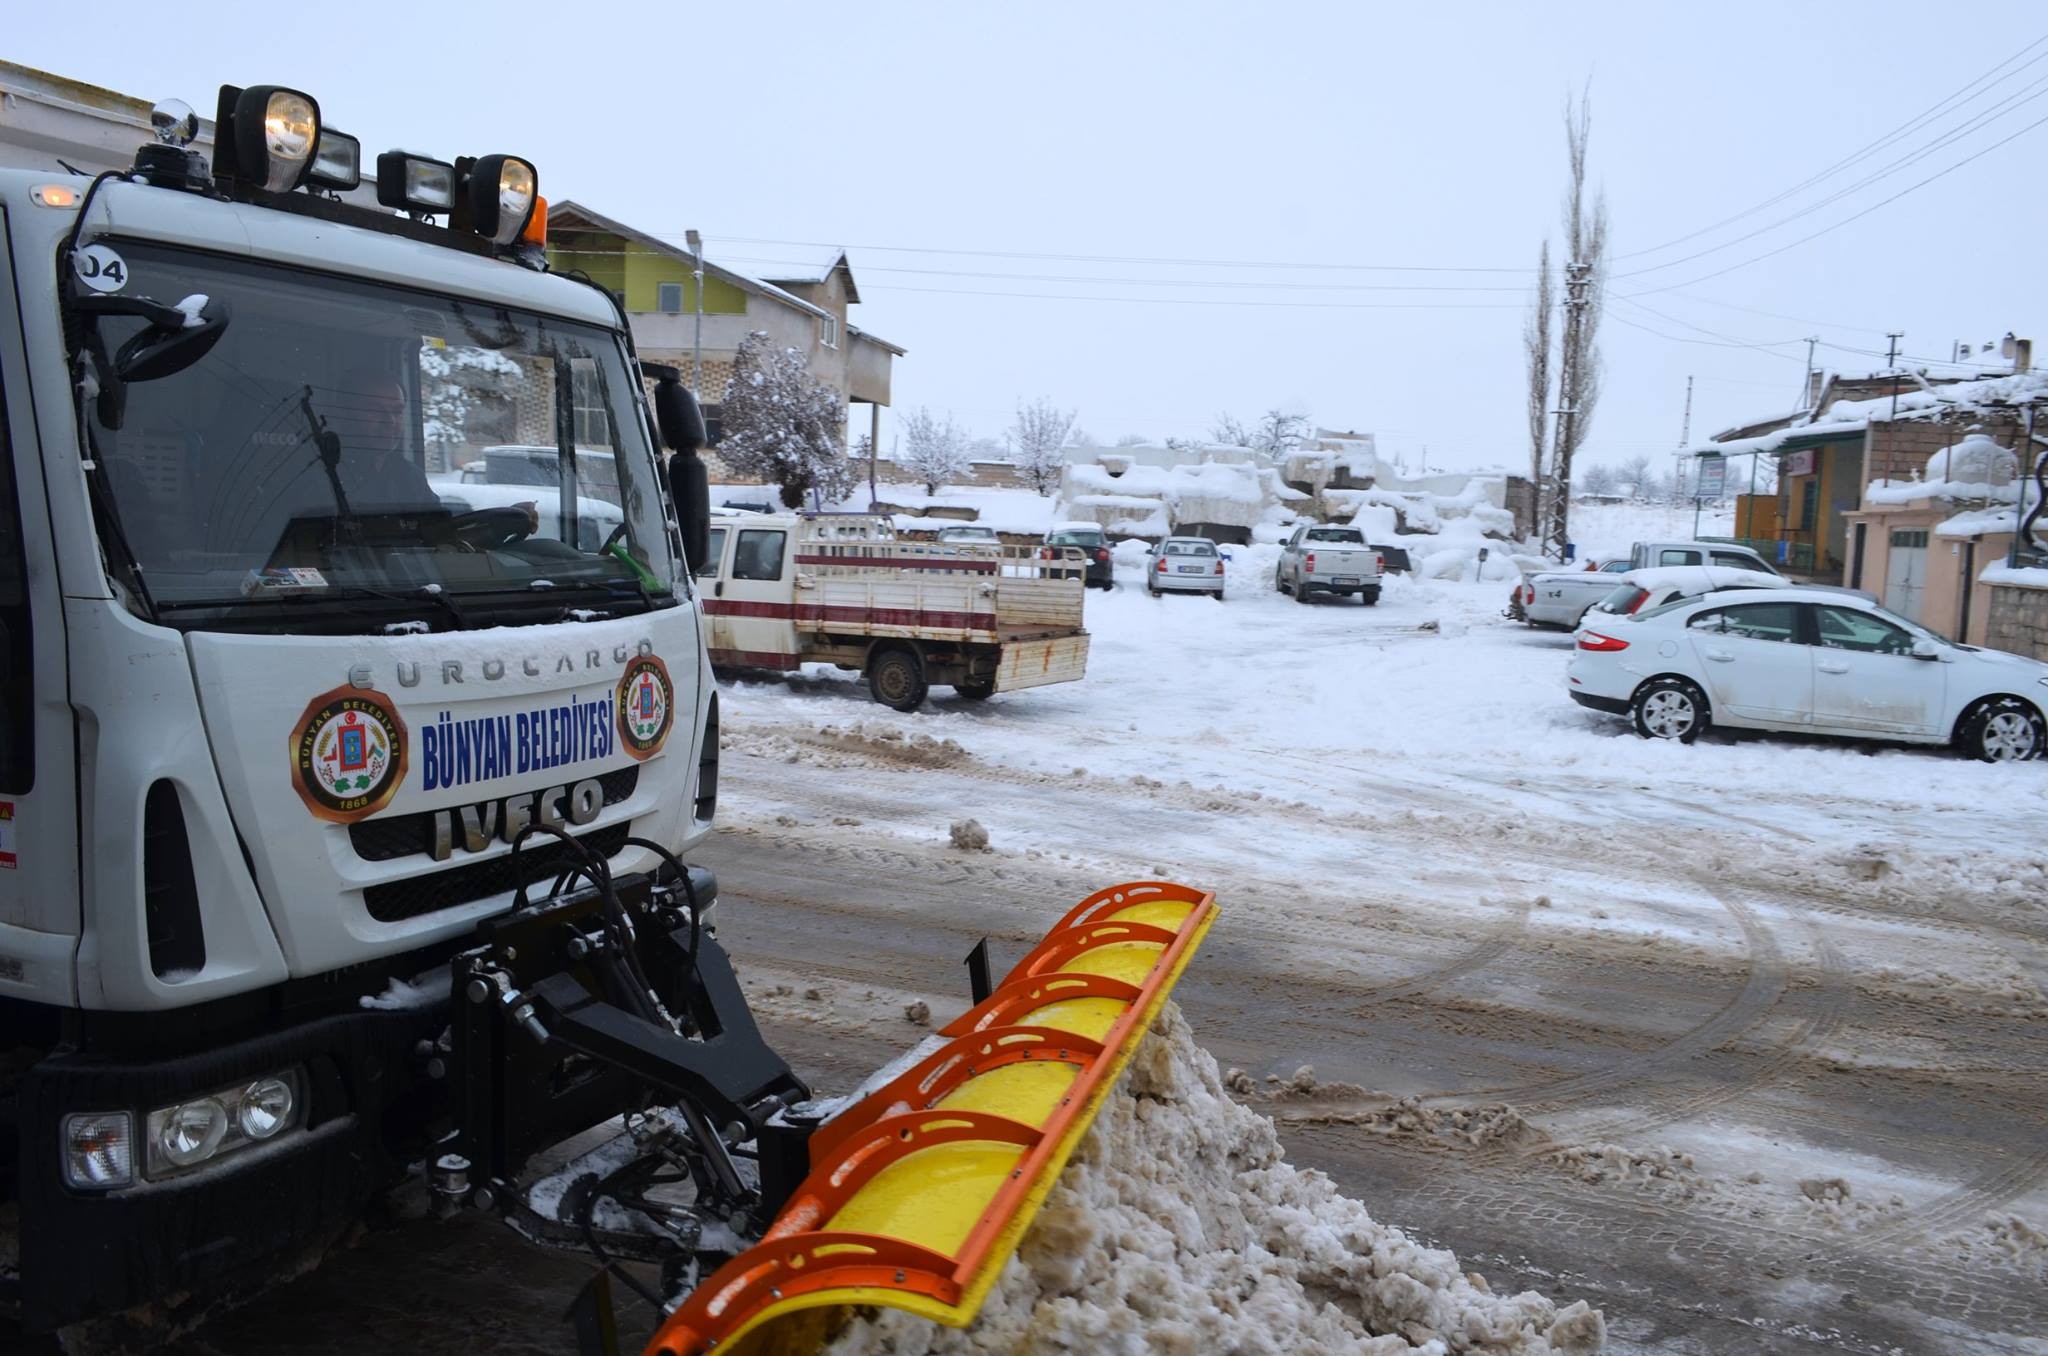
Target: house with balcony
805	309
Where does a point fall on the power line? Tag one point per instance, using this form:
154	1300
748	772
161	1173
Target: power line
1217	301
1911	188
1125	258
1716	339
1160	282
2038	88
1902	130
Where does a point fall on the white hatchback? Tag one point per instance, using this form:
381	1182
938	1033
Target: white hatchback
1808	660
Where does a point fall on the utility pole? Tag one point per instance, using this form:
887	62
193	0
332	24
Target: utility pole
1685	426
1578	275
1806	382
1891	361
696	240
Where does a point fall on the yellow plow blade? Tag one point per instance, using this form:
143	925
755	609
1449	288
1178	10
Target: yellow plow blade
919	1192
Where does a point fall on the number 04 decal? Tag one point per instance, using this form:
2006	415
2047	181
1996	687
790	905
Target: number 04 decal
100	268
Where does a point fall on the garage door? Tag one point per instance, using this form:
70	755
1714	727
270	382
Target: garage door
1905	576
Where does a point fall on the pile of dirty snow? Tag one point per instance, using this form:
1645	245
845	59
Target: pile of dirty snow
1178	1227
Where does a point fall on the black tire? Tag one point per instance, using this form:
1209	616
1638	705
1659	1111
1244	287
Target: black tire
2003	730
1219	595
1370	597
1669	708
1300	592
1279	582
1152	588
896	679
979	690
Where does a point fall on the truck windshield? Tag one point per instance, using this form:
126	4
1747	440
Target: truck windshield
328	448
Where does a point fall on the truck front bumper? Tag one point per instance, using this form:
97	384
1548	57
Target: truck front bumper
375	1088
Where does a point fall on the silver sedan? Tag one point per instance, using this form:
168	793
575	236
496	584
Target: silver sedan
1185	565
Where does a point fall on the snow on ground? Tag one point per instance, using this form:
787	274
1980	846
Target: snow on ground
1785	991
1179	1227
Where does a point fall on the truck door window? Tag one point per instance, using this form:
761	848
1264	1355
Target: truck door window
1736	562
1678	558
758	555
17	670
713	552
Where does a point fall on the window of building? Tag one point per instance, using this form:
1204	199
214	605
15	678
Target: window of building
668	298
758	555
828	331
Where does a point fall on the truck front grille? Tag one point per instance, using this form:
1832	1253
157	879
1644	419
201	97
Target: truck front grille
539	860
393	836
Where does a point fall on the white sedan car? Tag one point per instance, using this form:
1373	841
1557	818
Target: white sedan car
1808	660
1185	565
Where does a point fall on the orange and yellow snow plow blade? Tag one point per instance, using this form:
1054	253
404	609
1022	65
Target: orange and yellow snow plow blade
919	1191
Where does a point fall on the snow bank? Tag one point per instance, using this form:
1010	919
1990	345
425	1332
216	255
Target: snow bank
1166	497
1178	1227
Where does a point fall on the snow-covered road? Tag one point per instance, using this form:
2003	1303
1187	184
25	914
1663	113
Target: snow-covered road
1741	1042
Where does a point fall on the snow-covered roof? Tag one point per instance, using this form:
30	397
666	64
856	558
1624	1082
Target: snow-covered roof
1919	401
1975	469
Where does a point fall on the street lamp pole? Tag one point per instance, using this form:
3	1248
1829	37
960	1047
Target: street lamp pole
696	240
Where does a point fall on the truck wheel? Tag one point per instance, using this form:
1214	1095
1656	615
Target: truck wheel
2003	730
1369	597
896	679
978	691
1279	582
1300	592
1669	708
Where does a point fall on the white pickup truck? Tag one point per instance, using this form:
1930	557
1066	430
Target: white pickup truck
1324	558
1561	597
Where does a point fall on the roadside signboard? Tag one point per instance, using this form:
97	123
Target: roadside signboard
1712	478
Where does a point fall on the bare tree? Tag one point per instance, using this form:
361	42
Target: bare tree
1039	436
1599	478
1536	350
1278	433
934	449
1578	355
780	423
1229	431
1635	472
1132	440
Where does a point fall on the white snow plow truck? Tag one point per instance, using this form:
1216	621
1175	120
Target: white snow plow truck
344	828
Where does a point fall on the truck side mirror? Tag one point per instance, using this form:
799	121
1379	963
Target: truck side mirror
675	410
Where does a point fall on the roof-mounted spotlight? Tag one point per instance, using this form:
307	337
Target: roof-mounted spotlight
169	161
415	183
338	163
266	135
498	196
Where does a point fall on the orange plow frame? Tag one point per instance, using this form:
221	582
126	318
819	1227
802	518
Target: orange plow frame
920	1191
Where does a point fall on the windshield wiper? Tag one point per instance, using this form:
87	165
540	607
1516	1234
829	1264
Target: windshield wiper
353	593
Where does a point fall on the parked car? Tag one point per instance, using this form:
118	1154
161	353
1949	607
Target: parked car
1328	558
596	519
1561	597
1185	565
1811	660
1092	541
1644	591
969	535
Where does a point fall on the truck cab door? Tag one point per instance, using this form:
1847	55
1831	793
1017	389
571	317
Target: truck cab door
39	831
755	599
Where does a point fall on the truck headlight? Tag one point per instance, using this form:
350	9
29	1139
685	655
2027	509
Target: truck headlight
338	163
276	131
99	1149
501	190
200	1130
415	183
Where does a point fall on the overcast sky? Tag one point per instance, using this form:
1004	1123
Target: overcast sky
1288	145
